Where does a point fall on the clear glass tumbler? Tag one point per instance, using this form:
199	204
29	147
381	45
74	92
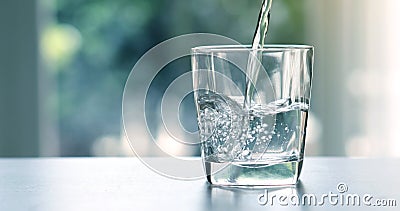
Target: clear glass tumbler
252	109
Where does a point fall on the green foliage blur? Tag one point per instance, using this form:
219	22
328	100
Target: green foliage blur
113	35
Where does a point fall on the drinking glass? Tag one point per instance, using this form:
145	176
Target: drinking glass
252	108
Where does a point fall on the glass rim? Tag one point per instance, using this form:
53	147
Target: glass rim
266	48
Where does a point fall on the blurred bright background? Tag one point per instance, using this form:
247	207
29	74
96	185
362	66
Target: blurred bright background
63	66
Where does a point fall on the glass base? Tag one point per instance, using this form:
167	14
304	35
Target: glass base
245	174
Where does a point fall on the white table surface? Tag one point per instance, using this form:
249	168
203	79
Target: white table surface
127	184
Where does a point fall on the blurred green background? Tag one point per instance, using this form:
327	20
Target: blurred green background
65	63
